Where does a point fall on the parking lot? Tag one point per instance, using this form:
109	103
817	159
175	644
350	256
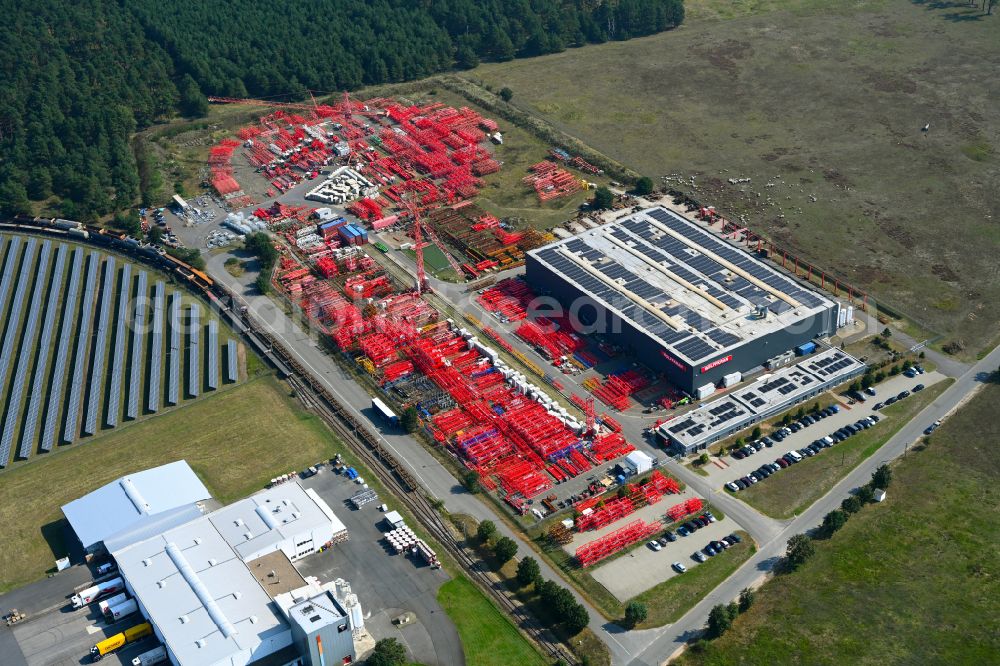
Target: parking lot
622	576
727	468
387	584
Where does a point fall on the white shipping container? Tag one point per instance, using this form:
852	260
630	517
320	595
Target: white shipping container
704	391
731	379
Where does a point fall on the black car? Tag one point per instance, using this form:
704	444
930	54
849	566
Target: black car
690	527
670	536
795	427
815	448
759	445
768	442
741	484
763	471
789	458
874	418
878	406
739	455
918	387
735	537
903	394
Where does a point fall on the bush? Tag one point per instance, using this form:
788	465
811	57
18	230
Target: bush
470	480
603	199
387	652
703	459
263	283
644	186
755	433
410	420
505	550
800	549
746	599
635	614
851	504
528	571
486	530
833	521
718	621
882	477
506	94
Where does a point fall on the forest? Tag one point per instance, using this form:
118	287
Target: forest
80	78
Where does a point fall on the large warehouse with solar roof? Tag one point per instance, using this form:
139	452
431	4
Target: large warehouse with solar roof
686	301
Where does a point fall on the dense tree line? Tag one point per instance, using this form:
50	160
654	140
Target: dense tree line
79	78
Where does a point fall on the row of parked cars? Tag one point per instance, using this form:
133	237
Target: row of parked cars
715	547
792	457
780	435
690	527
902	395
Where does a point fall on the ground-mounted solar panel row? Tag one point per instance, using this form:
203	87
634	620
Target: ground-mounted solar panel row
174	353
83	336
75	394
114	403
194	367
156	350
100	349
138	335
42	364
17	380
62	352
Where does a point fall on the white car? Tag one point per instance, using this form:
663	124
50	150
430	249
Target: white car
655	545
678	567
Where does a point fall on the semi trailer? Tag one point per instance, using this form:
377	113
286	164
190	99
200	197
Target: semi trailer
116	642
95	592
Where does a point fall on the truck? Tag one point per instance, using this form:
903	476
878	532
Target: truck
113	643
385	412
118	611
155	656
95	592
105	604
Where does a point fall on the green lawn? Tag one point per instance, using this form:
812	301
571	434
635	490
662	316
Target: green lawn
911	581
669	600
800	485
235	440
821	105
488	637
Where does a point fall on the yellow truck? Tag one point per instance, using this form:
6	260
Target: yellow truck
112	643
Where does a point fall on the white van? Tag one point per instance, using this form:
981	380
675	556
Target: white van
796	455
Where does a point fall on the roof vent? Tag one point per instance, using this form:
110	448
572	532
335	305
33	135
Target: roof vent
212	562
237	594
161	584
295	515
238	522
201	642
185	619
197	541
247	536
253	619
147	562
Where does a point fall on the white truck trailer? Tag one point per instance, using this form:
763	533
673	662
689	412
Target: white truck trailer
95	592
155	656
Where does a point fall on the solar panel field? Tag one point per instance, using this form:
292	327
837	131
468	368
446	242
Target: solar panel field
83	338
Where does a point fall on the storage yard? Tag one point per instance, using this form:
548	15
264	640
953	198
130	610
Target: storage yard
92	341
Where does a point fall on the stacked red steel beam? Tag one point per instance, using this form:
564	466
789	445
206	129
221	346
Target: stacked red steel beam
620	539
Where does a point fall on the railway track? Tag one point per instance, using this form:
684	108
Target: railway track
395	477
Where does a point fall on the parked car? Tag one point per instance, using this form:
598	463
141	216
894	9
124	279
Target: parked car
711	518
910	372
663	541
874	418
739	455
655	545
732	486
891	400
735	537
918	387
782	462
902	395
683	531
698	556
719	546
708	550
670	536
758	445
768	442
932	427
678	567
878	406
919	369
871	391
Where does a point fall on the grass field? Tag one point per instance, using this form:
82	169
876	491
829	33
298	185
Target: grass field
236	441
822	105
800	485
488	637
911	581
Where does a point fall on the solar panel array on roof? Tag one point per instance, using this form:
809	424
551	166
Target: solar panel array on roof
138	337
114	405
99	357
80	358
156	354
20	376
755	268
231	362
174	352
62	353
212	355
41	366
194	353
830	365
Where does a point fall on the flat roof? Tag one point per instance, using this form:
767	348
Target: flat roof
275	573
680	284
267	518
766	395
201	586
199	594
126	503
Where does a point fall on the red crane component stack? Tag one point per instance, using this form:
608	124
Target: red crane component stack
550	181
397	370
610	446
608	545
327	267
678	511
612	511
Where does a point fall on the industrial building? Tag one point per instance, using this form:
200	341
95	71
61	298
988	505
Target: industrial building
688	303
136	506
210	583
768	395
